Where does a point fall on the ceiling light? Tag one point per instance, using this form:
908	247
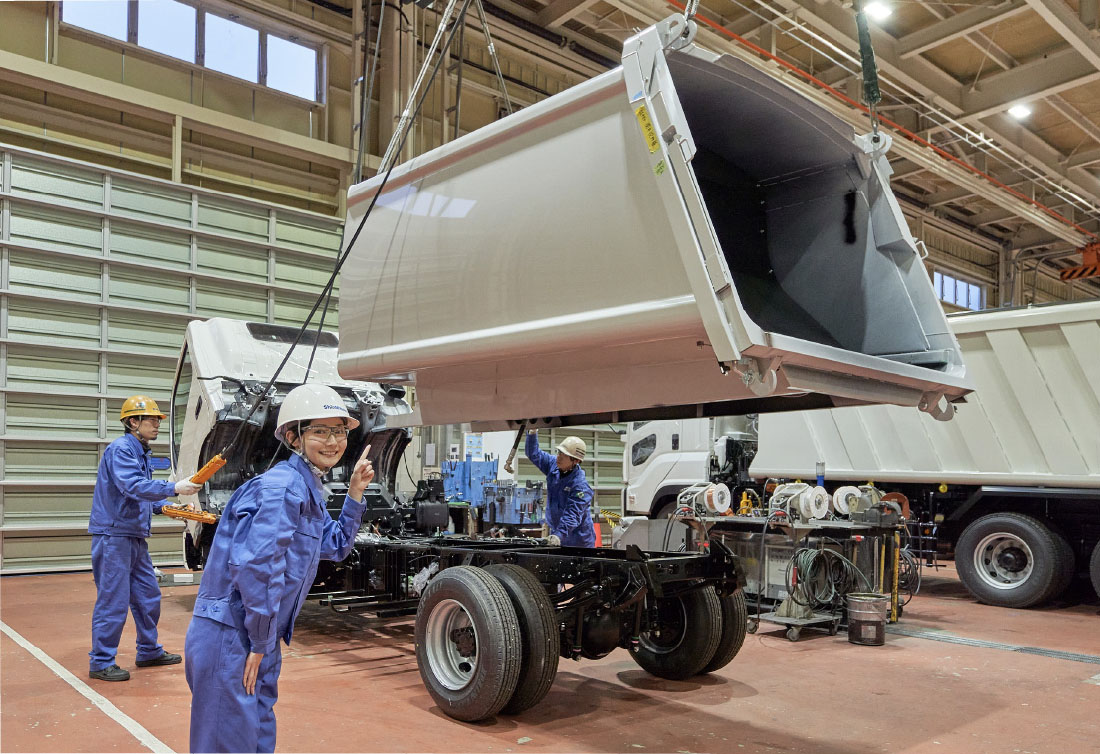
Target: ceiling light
878	11
1019	112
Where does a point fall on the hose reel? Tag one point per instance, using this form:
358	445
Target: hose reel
705	499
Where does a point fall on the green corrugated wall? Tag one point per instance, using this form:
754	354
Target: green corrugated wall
100	272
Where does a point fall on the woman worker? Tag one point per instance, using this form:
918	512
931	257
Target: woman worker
262	562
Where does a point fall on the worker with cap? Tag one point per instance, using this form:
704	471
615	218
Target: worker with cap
123	502
568	495
263	560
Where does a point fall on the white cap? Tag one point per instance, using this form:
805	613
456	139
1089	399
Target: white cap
311	401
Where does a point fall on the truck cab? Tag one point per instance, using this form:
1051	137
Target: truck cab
664	457
223	367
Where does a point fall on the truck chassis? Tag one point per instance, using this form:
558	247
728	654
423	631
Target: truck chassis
497	615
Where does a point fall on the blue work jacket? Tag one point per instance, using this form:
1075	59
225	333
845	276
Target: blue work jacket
568	498
271	536
126	495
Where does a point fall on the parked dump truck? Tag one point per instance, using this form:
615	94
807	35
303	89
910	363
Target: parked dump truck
1012	484
668	239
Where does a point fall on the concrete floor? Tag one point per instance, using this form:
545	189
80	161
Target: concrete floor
351	684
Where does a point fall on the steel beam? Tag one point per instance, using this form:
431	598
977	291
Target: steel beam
957	26
1075	116
1080	159
560	11
1063	20
1056	72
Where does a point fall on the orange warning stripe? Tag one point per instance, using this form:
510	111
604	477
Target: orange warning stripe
1084	271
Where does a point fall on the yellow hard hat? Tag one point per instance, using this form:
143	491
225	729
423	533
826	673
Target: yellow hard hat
140	405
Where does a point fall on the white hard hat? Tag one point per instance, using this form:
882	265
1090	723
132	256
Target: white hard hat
311	401
573	447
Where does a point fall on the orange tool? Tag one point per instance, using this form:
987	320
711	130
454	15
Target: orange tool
182	511
210	469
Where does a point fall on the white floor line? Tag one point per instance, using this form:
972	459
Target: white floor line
147	739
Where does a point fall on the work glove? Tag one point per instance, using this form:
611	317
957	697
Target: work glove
553	540
187	487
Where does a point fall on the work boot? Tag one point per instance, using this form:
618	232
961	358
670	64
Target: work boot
165	659
112	673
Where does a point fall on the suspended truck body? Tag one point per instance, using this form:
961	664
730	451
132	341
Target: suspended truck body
680	236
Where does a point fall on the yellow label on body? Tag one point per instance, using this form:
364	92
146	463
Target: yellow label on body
648	129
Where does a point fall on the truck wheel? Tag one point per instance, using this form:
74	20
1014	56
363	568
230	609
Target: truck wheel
1067	563
467	643
1094	568
735	620
1010	560
540	639
666	510
686	636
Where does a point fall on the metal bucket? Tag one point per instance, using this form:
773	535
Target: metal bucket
867	618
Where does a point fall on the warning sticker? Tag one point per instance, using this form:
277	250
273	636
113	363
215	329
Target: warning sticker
648	129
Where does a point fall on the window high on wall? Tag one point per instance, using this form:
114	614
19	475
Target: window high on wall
167	27
244	48
962	293
232	48
291	67
107	17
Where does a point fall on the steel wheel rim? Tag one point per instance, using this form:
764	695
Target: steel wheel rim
992	556
448	665
646	637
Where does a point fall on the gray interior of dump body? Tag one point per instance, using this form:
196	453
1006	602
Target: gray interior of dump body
791	202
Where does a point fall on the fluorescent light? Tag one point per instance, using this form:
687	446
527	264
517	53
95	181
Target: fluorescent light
878	11
1019	112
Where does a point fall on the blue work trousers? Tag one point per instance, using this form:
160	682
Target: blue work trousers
224	717
124	578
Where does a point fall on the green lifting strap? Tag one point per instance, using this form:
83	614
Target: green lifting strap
871	94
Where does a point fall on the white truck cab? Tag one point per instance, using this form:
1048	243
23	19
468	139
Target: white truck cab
662	458
223	366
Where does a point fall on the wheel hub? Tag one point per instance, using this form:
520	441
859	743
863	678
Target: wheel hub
450	644
465	641
1012	559
1003	560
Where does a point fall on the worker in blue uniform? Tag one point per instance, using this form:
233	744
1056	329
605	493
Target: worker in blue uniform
123	503
263	560
568	495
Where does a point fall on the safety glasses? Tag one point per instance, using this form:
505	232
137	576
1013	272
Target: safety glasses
324	432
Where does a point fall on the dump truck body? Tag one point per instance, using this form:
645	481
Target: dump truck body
680	236
1032	420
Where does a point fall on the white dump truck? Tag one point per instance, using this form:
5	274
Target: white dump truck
671	238
1013	483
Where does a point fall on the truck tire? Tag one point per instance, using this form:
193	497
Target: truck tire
687	637
735	619
1011	560
540	639
1094	568
665	510
1067	563
467	643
